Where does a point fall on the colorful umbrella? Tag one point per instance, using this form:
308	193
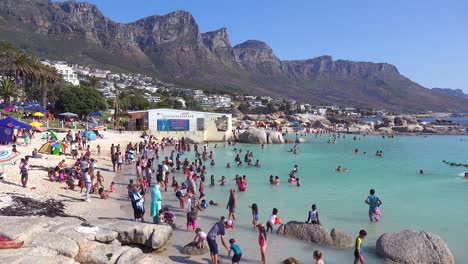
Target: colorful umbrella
38	114
36	124
53	133
59	145
8	157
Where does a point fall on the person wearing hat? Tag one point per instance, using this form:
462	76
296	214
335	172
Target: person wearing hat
218	229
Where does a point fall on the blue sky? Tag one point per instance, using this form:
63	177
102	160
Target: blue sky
427	40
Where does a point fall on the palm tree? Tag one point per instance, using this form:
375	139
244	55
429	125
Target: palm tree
47	74
93	81
7	90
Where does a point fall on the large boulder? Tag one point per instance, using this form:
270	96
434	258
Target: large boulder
430	130
399	121
39	255
274	137
192	249
253	136
415	128
410	246
411	120
386	130
389	121
145	234
291	260
300	140
316	234
62	245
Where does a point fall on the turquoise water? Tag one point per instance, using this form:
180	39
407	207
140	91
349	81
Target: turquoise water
435	201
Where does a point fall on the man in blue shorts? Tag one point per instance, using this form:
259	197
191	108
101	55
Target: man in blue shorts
218	229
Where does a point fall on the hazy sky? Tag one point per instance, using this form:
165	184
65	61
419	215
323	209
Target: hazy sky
426	39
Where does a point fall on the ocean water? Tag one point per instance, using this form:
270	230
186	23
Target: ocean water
435	201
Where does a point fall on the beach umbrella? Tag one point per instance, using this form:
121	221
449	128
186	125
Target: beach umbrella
54	134
277	122
35	124
8	157
46	148
68	114
59	145
38	114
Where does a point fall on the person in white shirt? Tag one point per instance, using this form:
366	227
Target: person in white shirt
87	180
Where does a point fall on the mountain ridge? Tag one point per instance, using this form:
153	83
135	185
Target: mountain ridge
172	48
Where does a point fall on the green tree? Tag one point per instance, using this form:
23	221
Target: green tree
80	100
8	90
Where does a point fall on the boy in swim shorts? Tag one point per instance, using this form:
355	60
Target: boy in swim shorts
358	257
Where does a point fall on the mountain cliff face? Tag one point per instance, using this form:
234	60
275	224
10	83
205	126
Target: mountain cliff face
173	48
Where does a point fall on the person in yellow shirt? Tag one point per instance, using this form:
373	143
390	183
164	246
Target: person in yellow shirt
358	257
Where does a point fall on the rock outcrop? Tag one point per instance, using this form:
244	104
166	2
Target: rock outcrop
316	234
274	137
409	247
291	260
69	240
192	249
253	136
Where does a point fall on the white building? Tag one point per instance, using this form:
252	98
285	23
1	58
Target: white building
66	71
198	126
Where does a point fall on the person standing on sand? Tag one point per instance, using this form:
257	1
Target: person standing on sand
218	229
87	181
232	203
156	199
24	170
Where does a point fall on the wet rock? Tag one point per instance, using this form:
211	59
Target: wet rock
274	137
316	234
300	140
410	246
192	249
291	260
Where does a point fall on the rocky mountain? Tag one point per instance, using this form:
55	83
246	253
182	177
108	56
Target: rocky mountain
451	92
172	48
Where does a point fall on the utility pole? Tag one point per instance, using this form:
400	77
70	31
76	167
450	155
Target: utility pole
116	108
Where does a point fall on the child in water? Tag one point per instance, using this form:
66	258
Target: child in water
272	220
262	237
298	184
254	215
318	257
358	257
222	181
200	238
237	251
212	182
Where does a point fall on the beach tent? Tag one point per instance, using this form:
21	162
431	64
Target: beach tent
54	134
90	135
46	148
10	122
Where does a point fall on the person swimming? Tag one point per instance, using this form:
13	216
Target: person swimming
340	169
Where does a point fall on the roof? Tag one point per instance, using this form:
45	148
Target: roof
177	111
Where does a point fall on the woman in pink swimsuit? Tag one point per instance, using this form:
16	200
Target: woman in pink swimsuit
262	237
